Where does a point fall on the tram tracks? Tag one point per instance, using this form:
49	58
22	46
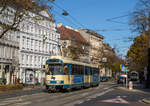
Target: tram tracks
70	98
44	97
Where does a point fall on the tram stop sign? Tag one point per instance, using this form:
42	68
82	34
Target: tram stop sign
124	68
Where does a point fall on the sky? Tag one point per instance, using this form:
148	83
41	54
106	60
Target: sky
94	14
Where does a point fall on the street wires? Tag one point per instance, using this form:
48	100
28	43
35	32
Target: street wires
65	13
114	19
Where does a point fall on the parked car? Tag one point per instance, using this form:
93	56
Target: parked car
103	79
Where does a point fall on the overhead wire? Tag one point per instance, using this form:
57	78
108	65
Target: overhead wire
112	19
72	17
77	22
100	30
65	18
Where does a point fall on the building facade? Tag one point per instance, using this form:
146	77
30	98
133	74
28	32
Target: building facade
9	60
9	51
34	43
96	43
38	41
73	44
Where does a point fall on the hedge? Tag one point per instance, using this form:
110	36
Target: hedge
11	87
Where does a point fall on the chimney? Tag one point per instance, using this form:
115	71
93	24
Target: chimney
59	24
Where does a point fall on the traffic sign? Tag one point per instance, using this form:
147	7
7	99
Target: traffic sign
116	100
124	68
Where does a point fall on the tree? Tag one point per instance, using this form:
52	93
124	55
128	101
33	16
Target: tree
78	49
140	19
22	8
113	60
138	52
141	23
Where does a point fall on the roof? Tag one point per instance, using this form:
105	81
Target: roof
69	60
89	31
70	34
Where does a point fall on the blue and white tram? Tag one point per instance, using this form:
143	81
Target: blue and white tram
62	73
134	76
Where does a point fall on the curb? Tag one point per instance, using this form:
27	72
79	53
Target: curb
146	101
32	88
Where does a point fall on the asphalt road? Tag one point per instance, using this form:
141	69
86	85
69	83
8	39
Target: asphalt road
85	97
118	97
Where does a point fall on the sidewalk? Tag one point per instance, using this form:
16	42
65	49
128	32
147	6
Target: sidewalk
138	88
25	91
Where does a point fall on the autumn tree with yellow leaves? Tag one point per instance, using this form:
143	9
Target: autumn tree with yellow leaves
138	53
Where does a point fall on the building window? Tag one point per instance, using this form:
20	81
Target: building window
39	31
22	59
31	60
27	60
27	43
31	29
35	60
35	45
31	44
38	60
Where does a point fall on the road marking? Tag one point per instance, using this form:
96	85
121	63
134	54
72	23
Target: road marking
121	96
22	104
116	100
99	94
84	94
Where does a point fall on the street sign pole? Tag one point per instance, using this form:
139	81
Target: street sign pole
125	69
126	80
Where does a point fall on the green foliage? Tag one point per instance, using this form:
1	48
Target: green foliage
76	50
113	62
138	51
11	87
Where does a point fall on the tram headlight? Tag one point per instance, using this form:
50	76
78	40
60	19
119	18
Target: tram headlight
58	82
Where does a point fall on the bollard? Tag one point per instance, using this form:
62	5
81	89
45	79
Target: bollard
130	85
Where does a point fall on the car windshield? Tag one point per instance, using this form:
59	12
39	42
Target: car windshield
134	74
55	69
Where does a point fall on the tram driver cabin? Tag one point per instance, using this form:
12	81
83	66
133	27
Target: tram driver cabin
63	73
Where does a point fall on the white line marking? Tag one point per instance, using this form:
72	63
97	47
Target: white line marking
84	94
22	104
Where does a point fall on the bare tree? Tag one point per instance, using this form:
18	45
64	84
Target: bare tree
140	19
22	8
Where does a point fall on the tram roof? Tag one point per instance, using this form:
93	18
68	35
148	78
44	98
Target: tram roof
69	60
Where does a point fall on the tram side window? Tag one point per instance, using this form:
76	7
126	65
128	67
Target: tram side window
86	71
78	71
81	70
91	70
95	71
73	69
